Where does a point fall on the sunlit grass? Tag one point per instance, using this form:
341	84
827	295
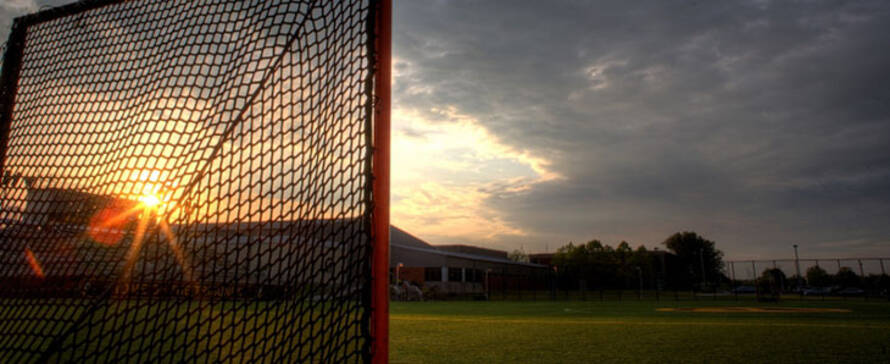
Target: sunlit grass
634	332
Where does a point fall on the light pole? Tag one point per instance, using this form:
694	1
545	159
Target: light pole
640	274
797	266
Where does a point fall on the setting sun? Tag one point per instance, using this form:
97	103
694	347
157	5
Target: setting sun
150	200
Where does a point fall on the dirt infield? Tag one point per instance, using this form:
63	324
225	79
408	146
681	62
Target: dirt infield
752	309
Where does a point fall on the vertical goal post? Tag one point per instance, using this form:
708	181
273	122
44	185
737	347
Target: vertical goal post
380	279
196	181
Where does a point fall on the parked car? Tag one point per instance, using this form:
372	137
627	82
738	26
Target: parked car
817	291
744	289
851	291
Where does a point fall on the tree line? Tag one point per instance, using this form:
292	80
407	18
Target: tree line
689	262
817	277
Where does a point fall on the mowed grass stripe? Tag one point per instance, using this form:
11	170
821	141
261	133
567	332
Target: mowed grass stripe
573	321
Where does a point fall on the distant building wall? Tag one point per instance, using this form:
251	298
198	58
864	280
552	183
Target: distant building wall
475	250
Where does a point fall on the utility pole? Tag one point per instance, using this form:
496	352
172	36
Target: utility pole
797	266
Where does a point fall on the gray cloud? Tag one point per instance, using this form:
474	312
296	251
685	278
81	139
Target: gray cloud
11	9
758	124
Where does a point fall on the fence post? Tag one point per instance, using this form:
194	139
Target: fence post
504	283
862	278
732	284
553	277
519	285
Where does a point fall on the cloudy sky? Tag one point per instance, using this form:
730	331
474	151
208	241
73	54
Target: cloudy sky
529	124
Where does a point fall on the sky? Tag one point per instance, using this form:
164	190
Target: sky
530	124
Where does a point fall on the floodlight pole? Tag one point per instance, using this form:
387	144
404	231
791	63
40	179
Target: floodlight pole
797	266
382	28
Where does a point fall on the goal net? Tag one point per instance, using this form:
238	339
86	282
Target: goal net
192	181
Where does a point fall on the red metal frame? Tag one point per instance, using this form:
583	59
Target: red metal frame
380	215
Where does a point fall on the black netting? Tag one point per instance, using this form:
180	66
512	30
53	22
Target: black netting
187	181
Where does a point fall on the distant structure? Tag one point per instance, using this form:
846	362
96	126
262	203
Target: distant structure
66	242
85	254
541	258
455	270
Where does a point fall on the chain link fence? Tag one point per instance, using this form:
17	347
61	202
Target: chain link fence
752	280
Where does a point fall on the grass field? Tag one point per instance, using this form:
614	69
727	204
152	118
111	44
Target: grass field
853	331
637	332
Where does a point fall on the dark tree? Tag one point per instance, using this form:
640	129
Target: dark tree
772	281
599	266
698	255
818	277
845	277
518	256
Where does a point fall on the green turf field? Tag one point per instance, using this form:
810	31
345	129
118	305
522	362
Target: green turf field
636	332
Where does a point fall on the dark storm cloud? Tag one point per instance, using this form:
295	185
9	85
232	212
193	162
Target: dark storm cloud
759	124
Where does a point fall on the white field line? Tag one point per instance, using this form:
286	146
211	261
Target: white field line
567	321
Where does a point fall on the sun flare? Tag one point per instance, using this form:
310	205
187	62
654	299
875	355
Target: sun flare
150	201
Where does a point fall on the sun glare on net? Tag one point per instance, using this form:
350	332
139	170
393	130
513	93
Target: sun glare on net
150	200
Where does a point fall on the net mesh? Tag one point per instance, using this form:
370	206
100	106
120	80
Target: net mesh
187	181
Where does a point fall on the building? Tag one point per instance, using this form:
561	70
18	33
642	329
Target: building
65	236
541	258
455	270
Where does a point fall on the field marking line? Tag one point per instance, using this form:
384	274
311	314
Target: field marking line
631	323
737	309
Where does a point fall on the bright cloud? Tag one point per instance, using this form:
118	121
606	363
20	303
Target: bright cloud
445	170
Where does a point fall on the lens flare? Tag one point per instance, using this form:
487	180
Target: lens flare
32	261
109	225
150	200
